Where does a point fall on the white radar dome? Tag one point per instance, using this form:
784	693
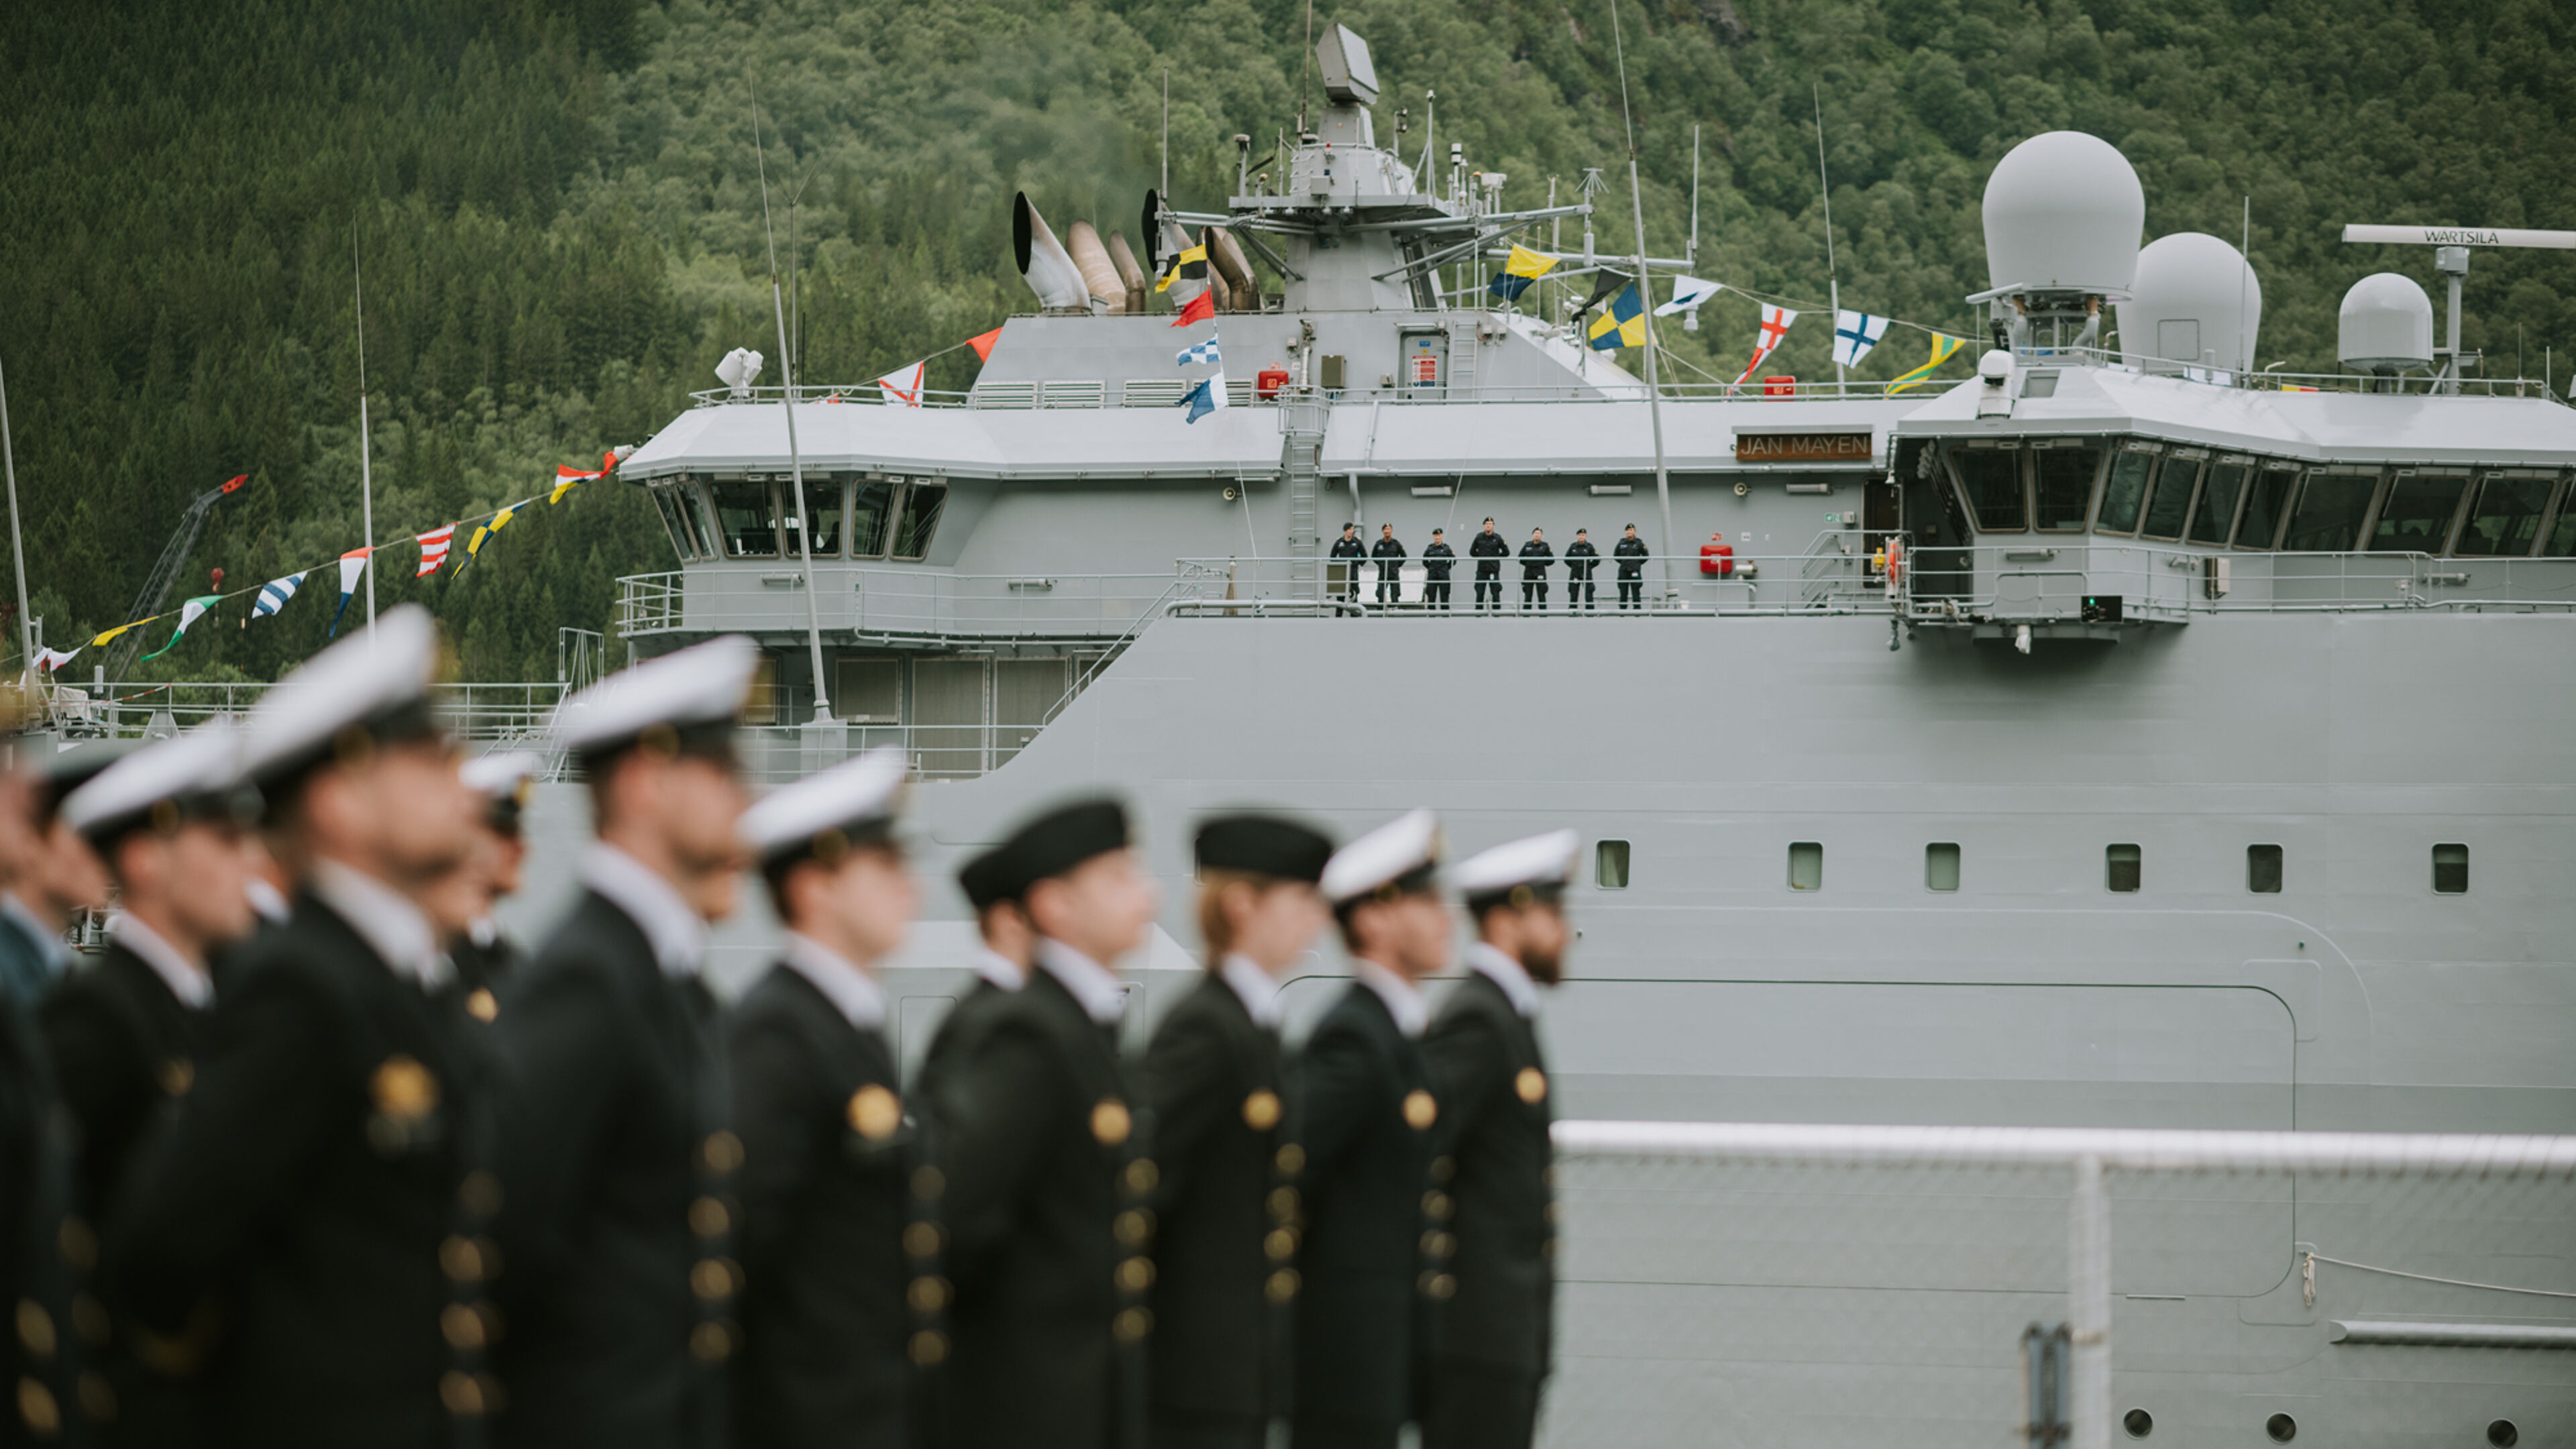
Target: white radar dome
2386	322
2064	212
2196	302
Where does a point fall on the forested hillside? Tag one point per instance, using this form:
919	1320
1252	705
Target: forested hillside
557	211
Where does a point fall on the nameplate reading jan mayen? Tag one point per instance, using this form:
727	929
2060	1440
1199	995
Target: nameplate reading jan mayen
1802	447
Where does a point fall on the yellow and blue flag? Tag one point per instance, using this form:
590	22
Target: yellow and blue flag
1621	324
1190	265
1944	347
1524	267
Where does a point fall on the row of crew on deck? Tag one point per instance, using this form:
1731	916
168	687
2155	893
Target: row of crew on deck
337	1169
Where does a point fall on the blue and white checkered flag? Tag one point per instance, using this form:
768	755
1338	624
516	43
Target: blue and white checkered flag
1198	352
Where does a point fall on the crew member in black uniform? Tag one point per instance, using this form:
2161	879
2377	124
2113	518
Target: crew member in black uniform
1045	1191
57	877
1225	1209
1349	549
324	1177
618	1154
1390	558
817	1102
1493	1339
1581	558
1365	1118
1631	552
124	1032
1536	555
1438	558
1488	550
484	954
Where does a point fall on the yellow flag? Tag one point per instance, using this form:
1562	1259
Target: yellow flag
1191	263
475	548
119	629
1944	347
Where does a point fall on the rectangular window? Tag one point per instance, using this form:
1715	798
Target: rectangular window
2126	489
2218	500
868	690
1806	866
2263	504
2330	511
1992	478
694	502
1941	867
2063	478
1610	865
2505	519
823	511
2451	870
747	520
675	517
918	519
2562	533
2170	505
2263	869
2120	867
871	506
2417	516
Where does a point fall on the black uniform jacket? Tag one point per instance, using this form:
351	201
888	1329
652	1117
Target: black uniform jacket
314	1172
1368	1169
1535	558
1034	1132
1581	558
1498	1102
1631	553
1390	558
36	1280
123	1045
1488	549
1437	560
1212	1077
824	1205
607	1151
1349	548
485	969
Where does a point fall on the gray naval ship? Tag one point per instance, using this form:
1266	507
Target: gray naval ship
2123	737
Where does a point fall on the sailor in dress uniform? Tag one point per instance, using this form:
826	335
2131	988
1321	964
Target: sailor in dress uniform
56	876
325	1170
124	1033
1493	1339
818	1103
1374	1251
1225	1277
618	1154
485	956
1045	1190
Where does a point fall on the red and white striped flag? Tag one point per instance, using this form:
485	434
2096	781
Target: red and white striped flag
433	549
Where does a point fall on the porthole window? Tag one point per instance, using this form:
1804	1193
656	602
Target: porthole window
1806	866
2139	1423
2120	867
2451	870
2263	869
1610	865
2282	1428
1941	867
2503	1435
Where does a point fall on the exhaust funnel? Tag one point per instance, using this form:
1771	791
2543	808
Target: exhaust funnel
1099	275
1043	260
1130	276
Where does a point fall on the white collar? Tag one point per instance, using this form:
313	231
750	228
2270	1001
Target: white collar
670	925
385	919
1092	984
484	931
842	982
1403	999
1258	988
186	980
1506	973
999	969
49	941
267	900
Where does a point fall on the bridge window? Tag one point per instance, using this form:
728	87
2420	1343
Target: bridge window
1610	865
2263	869
2417	516
871	507
2063	483
2218	499
1941	867
746	519
2451	870
2330	511
918	518
823	513
2506	516
2121	867
1991	477
1806	865
2562	534
2169	506
674	504
2126	488
2264	503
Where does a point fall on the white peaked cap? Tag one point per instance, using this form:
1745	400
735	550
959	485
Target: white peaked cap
499	773
1536	860
359	681
185	769
851	798
704	684
1383	856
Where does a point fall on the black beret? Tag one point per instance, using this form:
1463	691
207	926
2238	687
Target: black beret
991	878
70	769
1264	845
1054	843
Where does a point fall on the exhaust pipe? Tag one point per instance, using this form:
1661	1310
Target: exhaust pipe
1232	265
1099	276
1043	260
1130	276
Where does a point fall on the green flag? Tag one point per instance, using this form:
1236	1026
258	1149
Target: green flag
189	613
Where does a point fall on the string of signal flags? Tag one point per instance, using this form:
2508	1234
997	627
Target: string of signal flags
1622	322
435	546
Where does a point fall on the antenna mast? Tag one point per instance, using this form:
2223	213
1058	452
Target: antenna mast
17	546
366	452
1646	312
804	514
1833	279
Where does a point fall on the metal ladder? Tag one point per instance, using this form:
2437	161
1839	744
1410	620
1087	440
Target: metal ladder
1302	418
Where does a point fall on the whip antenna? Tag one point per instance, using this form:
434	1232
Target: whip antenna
798	506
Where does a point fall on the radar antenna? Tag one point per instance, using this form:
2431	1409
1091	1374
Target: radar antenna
2450	246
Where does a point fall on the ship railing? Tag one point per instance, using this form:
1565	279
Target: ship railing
2085	579
650	603
492	715
1167	392
2204	371
1843	572
1999	1283
775	754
